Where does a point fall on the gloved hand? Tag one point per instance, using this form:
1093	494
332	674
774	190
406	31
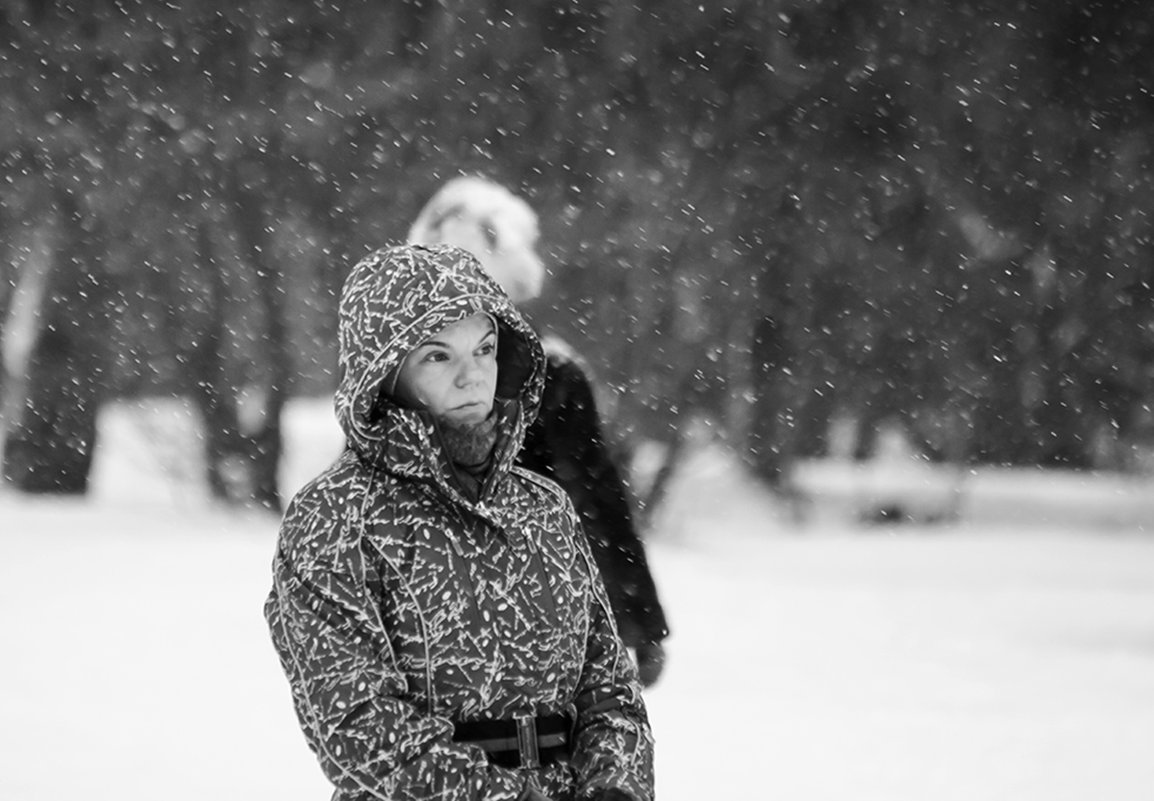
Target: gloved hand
650	662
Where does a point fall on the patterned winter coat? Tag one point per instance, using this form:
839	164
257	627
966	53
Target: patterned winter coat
401	603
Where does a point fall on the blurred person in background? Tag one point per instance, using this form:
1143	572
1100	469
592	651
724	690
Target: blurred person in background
437	611
566	443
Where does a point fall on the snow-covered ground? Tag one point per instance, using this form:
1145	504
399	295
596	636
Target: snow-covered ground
1007	654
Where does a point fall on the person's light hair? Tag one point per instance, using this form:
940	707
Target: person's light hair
493	224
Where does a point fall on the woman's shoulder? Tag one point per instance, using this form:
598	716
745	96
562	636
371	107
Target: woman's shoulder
563	361
316	520
328	486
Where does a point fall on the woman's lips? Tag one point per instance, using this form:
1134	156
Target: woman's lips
473	409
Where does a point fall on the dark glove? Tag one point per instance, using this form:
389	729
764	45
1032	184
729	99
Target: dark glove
650	662
608	795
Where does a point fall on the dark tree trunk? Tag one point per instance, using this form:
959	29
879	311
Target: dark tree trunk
767	433
249	190
211	388
49	446
659	489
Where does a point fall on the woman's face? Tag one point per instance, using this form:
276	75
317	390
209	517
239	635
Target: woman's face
454	373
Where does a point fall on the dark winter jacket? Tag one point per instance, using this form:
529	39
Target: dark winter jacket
566	444
400	606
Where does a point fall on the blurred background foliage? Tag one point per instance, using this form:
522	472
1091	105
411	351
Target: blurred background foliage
768	214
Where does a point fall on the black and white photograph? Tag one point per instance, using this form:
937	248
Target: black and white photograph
591	400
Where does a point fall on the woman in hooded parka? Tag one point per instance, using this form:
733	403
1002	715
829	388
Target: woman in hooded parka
442	624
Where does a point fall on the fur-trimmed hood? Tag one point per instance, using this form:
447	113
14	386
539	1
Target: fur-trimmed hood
493	224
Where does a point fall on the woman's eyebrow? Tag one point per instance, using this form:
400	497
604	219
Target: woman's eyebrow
436	343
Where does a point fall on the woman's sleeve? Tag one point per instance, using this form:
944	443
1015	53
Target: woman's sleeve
346	688
613	747
584	466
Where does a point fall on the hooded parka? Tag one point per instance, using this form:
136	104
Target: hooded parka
406	599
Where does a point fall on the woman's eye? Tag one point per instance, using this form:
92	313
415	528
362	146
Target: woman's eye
436	356
486	349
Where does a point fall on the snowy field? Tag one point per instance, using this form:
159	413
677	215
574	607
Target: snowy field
1006	654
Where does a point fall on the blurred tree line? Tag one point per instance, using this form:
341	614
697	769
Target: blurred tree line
770	213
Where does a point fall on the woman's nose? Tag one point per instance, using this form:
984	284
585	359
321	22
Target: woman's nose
469	372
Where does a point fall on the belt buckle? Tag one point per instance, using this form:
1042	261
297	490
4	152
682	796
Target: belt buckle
527	739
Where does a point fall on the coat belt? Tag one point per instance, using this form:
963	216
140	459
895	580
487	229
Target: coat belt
522	741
